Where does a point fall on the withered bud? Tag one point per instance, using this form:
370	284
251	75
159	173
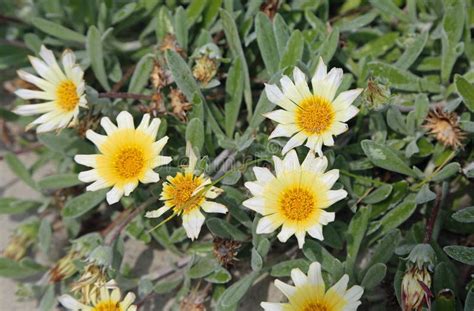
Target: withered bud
169	43
226	251
64	267
205	69
159	77
21	240
376	95
179	104
89	284
444	126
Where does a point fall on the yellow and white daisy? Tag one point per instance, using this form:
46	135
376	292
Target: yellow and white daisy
186	193
309	293
107	301
127	156
62	91
296	198
314	117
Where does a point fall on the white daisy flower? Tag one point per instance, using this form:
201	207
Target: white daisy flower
296	198
186	194
309	293
314	117
107	301
127	156
62	91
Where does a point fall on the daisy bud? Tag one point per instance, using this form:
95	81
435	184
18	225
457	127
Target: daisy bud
417	279
21	240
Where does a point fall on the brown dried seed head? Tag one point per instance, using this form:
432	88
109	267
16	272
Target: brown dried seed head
444	126
226	251
179	104
169	43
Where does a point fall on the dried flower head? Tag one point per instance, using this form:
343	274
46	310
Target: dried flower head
169	43
375	95
179	103
195	300
226	251
205	69
89	283
270	8
64	267
159	77
444	126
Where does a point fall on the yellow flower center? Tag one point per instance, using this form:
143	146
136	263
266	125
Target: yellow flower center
179	192
67	98
108	305
316	306
129	162
297	203
314	115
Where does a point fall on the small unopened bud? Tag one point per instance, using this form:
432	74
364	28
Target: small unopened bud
21	240
416	282
64	267
376	95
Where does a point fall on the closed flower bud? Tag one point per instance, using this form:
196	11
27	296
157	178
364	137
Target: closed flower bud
416	282
376	95
21	240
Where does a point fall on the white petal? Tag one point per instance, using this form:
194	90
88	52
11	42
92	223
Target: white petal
70	303
290	90
330	177
161	160
255	188
320	74
30	94
159	145
285	233
336	195
286	289
311	163
153	128
300	236
44	70
346	98
291	162
192	223
267	225
114	195
125	120
68	60
278	165
328	86
41	83
326	217
127	301
295	141
275	95
29	110
341	286
97	185
158	212
213	207
107	125
281	116
263	174
328	140
314	274
213	193
354	293
97	139
272	306
150	177
300	82
347	114
338	128
298	277
86	159
256	203
283	130
315	144
89	176
50	59
128	188
115	296
144	123
316	232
